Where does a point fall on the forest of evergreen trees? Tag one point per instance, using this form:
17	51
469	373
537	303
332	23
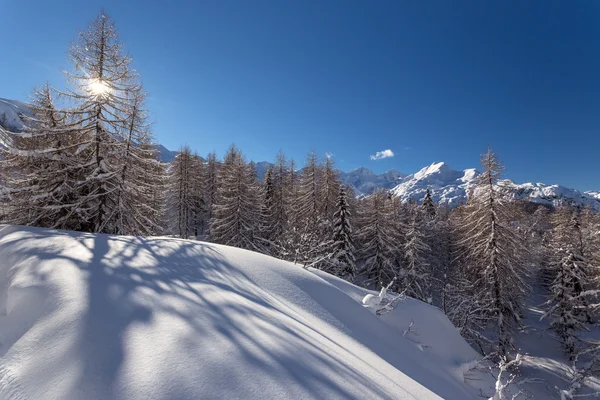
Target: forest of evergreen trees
90	165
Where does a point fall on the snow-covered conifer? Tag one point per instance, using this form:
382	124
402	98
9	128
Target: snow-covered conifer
568	267
377	237
236	213
103	87
493	256
41	168
342	261
415	276
428	206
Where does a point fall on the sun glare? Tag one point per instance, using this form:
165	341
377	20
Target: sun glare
99	88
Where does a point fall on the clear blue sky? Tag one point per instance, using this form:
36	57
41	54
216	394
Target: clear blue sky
430	80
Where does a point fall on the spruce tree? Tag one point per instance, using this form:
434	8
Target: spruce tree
342	262
428	206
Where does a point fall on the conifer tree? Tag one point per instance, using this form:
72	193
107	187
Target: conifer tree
40	168
104	88
236	212
568	266
307	208
342	262
428	206
210	186
415	276
493	256
140	174
378	239
181	203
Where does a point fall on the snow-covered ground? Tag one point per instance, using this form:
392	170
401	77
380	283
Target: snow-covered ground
545	367
86	316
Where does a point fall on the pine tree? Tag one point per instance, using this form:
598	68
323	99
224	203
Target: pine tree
342	261
493	255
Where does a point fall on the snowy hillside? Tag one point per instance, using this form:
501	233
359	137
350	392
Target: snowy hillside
86	316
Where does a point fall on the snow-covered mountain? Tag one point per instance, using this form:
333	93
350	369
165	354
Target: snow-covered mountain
447	186
364	181
451	187
12	113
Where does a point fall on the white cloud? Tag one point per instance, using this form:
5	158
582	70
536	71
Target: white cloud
380	155
328	155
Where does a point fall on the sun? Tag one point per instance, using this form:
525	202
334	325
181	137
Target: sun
99	88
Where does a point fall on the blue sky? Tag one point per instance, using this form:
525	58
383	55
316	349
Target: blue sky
430	80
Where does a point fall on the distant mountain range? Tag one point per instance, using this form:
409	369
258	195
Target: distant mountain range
447	186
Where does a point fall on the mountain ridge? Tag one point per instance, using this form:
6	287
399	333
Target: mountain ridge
447	186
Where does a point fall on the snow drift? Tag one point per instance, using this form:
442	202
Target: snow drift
86	316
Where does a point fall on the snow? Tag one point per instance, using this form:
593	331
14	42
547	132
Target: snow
446	185
87	316
363	181
11	112
451	187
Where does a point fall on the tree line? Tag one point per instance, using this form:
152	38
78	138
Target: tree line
91	166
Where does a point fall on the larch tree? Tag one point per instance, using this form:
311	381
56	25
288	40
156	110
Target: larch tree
377	239
307	207
568	266
181	206
40	168
236	213
493	255
103	90
415	275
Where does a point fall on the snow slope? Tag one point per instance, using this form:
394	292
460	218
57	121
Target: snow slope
86	316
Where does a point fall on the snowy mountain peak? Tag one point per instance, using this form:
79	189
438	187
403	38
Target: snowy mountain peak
439	171
447	185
